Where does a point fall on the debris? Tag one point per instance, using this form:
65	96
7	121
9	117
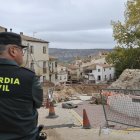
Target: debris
129	79
69	105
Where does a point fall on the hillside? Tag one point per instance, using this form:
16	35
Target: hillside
69	54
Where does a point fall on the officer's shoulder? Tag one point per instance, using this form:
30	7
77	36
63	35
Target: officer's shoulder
27	69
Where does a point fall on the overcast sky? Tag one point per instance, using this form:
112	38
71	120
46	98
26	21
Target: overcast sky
78	24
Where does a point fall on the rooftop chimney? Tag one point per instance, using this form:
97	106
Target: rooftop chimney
10	29
21	33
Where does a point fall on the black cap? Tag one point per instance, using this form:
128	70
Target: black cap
10	38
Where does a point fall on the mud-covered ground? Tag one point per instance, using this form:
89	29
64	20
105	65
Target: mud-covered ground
66	126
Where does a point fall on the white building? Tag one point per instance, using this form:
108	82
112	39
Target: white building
62	74
99	73
61	67
104	72
62	77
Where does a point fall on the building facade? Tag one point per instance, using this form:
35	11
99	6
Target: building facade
52	69
74	74
99	73
62	77
3	29
36	56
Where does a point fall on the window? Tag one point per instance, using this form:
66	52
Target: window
104	69
56	76
52	67
44	67
44	78
105	77
110	68
44	64
98	70
31	49
90	71
44	49
50	77
110	77
55	64
99	77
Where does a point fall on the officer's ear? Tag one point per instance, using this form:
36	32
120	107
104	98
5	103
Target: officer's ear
12	50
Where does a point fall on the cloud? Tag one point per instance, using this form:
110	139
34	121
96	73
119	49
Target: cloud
67	21
87	36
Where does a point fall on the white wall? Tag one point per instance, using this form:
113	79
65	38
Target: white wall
62	77
59	68
100	72
97	73
109	72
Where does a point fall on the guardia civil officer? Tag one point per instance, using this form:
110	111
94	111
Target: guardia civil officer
20	92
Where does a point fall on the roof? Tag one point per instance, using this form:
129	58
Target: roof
72	67
61	65
3	27
62	72
105	65
51	58
91	67
32	39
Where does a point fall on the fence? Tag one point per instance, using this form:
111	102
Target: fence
121	106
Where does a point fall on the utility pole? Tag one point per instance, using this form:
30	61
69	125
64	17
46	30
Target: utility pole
34	34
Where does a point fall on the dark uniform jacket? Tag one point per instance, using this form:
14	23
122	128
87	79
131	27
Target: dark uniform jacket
20	96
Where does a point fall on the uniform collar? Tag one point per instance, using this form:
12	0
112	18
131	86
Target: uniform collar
7	62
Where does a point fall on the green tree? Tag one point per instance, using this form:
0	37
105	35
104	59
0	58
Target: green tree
124	58
126	54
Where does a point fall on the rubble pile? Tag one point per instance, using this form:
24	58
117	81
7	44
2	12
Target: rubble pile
129	79
66	93
71	92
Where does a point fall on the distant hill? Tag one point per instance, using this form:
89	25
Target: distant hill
69	54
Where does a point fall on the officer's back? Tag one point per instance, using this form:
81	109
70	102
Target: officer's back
20	92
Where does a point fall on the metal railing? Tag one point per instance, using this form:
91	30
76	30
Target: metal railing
121	106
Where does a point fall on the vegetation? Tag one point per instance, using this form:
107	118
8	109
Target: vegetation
124	58
126	54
